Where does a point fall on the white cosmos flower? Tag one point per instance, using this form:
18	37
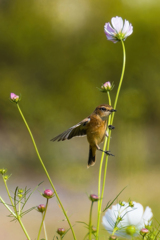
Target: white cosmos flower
118	30
126	221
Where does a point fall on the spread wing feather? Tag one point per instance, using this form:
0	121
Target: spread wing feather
77	130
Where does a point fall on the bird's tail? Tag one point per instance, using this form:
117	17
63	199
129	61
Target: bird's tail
92	156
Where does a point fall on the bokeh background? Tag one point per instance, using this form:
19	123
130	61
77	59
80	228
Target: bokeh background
55	54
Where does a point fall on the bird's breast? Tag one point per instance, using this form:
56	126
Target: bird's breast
96	131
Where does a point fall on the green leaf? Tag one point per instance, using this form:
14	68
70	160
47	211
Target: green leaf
66	232
109	204
27	211
26	199
82	222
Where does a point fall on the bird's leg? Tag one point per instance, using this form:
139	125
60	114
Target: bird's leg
110	128
106	152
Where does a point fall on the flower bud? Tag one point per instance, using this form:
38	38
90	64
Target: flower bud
94	198
20	190
94	230
48	193
20	195
41	208
144	231
131	204
60	231
3	171
14	98
112	237
121	203
106	87
130	230
6	177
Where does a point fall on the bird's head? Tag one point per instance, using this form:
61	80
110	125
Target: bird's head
104	110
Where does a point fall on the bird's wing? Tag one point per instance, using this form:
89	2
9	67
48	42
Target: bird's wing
77	130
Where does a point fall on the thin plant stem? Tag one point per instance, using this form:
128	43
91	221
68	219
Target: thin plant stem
108	142
121	80
19	206
102	157
43	217
100	170
45	232
90	221
7	207
16	215
46	172
22	226
5	183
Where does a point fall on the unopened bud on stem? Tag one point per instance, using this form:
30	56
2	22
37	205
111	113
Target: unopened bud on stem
48	193
41	208
94	198
60	231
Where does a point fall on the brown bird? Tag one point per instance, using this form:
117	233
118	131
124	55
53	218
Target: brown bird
94	127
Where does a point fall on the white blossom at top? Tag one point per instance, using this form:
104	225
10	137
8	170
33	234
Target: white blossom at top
118	30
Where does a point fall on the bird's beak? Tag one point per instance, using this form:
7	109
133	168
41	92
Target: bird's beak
113	110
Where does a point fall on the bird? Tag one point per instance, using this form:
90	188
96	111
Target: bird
94	127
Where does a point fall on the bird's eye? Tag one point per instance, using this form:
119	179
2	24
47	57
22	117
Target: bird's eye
103	109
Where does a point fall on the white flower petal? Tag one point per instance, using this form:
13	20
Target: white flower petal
122	233
110	32
108	29
111	216
130	31
125	27
147	215
116	208
140	225
135	214
109	37
107	225
122	213
117	23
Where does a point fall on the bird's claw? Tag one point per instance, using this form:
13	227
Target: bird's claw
111	127
107	152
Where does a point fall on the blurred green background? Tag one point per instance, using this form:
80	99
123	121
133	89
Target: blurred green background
55	54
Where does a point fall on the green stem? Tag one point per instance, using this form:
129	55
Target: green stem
102	157
100	172
45	232
5	183
43	217
14	207
16	215
7	207
22	226
19	206
121	80
108	142
90	222
46	172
